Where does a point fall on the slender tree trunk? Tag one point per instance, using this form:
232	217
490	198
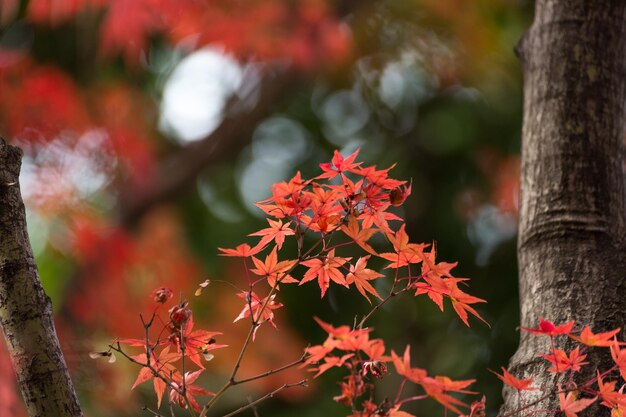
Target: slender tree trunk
571	246
25	309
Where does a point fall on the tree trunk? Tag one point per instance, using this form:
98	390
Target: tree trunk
25	309
571	245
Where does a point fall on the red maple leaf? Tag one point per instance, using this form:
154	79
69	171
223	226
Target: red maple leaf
379	177
331	361
512	381
562	362
570	405
339	165
161	364
242	251
548	328
325	270
198	343
262	309
191	390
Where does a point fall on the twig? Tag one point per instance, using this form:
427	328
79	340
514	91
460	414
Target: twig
154	371
154	413
265	397
273	371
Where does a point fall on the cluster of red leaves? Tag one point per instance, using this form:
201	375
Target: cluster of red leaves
566	364
306	31
350	204
363	357
176	342
355	201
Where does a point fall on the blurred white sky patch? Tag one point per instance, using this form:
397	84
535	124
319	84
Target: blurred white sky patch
488	229
196	93
279	144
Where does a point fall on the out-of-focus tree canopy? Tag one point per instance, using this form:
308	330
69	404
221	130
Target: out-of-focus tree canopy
150	128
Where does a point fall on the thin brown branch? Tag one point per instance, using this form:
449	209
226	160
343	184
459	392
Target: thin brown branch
265	397
273	371
154	371
152	412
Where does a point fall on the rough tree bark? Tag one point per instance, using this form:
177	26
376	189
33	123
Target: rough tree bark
25	309
571	246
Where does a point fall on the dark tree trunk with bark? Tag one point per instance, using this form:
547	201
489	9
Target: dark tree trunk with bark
25	309
571	246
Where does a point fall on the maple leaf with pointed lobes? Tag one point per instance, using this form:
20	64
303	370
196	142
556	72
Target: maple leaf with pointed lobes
339	165
358	235
197	342
512	381
570	405
242	251
460	303
276	232
403	366
562	362
548	328
610	397
405	253
254	303
330	362
437	387
191	390
272	269
379	217
340	332
162	364
587	337
316	353
360	275
375	350
619	357
295	185
325	270
380	177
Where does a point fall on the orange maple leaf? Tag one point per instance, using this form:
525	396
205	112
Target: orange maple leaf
274	270
276	232
405	253
325	270
403	366
619	357
360	275
242	251
587	337
512	381
570	405
358	235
